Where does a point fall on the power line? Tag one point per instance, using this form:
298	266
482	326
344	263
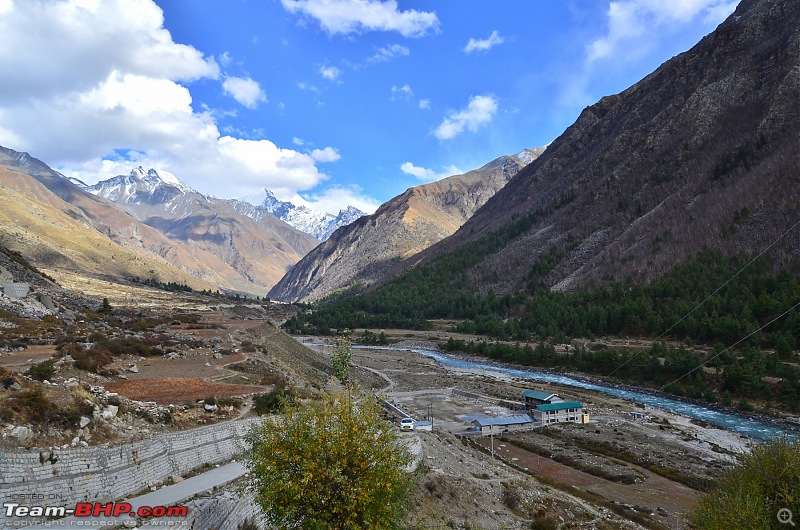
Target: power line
729	280
731	346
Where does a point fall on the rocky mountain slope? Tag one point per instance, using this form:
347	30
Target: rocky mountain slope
54	234
55	223
369	248
703	152
258	250
314	222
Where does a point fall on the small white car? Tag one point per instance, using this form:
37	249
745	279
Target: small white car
407	424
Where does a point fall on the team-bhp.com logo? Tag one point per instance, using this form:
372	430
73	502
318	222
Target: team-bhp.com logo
93	509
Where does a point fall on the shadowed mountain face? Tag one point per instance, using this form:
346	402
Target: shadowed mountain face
258	251
704	152
367	250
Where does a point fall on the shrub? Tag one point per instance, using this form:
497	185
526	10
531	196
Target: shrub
332	463
34	406
544	523
752	494
511	499
92	360
272	402
6	378
43	370
230	402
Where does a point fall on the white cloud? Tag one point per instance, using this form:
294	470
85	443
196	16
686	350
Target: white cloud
715	14
425	104
302	85
484	45
94	88
244	90
357	16
403	92
479	111
429	175
53	48
329	154
5	6
631	21
331	73
225	59
388	53
337	198
298	141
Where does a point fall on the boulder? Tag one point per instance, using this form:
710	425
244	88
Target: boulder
109	411
85	420
22	433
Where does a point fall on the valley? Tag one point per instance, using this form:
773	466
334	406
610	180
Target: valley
599	333
218	353
184	361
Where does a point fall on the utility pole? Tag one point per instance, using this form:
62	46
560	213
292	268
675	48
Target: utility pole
491	440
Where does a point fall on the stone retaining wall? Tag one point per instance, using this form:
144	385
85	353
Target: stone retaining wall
226	512
61	477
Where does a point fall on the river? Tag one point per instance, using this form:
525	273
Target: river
733	422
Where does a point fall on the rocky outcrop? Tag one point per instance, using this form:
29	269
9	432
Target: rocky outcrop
366	251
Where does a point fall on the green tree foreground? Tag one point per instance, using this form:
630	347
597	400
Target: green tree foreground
329	464
341	360
757	493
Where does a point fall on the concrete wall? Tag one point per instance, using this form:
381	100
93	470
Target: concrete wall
500	429
62	477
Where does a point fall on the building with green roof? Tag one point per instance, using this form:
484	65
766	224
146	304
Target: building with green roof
564	411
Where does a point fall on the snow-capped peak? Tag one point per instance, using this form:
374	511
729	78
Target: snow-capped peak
172	180
155	178
140	187
306	219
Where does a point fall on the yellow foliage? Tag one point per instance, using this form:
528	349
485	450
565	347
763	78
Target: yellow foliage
329	464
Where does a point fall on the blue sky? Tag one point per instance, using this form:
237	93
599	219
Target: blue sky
334	102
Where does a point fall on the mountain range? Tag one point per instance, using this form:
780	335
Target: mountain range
56	225
366	251
215	243
702	153
258	249
315	222
158	228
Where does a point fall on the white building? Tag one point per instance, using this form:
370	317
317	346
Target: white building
487	425
564	411
537	397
